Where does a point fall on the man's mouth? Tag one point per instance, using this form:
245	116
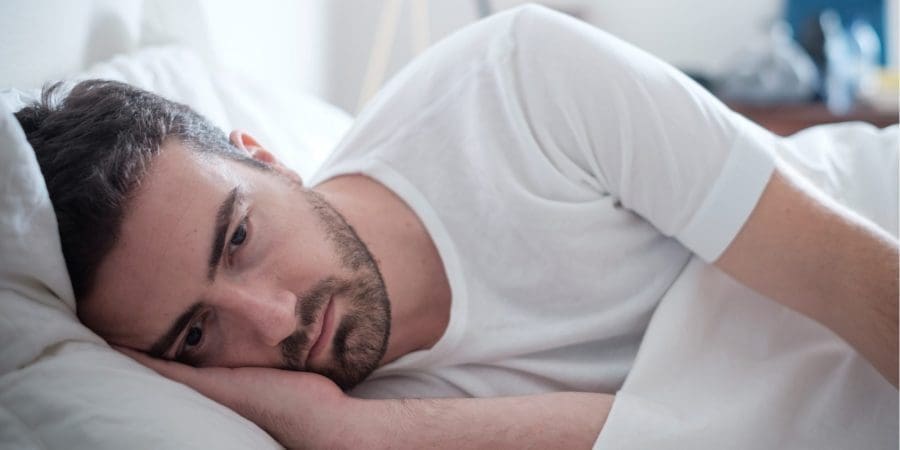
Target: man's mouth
324	332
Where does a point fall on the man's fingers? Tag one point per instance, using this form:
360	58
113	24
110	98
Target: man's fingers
142	358
286	404
168	369
211	382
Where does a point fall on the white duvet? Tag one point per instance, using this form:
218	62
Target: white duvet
720	366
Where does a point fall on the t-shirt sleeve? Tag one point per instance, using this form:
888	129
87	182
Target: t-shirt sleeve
637	129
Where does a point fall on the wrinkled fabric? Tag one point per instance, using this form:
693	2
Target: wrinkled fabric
61	386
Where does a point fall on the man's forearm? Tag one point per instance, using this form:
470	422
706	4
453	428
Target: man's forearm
305	410
814	256
555	420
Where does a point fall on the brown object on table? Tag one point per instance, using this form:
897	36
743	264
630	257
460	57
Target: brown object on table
789	119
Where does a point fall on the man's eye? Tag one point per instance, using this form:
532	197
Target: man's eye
193	337
240	234
193	344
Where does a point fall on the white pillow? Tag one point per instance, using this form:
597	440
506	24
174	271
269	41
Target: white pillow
37	307
61	386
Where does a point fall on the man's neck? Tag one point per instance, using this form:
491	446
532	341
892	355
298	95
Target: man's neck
407	258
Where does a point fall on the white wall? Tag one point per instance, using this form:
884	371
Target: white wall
350	27
273	40
700	35
324	45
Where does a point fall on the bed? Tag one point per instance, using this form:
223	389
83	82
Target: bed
703	377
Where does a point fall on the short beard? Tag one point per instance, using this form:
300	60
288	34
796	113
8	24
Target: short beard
360	340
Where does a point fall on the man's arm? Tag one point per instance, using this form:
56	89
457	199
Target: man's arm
816	257
555	420
304	410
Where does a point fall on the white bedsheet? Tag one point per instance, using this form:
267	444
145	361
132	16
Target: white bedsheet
722	367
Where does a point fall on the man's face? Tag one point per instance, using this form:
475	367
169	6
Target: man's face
222	264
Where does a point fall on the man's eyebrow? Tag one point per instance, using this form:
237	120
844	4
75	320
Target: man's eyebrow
162	345
223	218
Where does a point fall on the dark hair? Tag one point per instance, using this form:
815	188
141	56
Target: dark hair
93	147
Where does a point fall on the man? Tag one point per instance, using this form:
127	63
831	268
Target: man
500	222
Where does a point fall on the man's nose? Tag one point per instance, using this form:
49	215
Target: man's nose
268	313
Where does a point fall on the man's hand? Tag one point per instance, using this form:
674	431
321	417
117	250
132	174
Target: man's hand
300	410
303	410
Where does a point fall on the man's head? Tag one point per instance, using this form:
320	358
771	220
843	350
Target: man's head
188	245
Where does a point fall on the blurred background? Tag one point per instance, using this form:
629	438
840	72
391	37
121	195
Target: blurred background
787	64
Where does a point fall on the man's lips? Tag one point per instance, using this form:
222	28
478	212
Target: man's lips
324	332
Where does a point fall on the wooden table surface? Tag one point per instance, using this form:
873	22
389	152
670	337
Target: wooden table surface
788	119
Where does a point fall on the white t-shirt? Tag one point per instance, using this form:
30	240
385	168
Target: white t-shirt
565	178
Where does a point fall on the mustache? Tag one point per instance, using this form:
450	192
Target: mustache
307	309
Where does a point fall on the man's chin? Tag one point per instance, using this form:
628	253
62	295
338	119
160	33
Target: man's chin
346	380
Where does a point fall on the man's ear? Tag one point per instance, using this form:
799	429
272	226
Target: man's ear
247	143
